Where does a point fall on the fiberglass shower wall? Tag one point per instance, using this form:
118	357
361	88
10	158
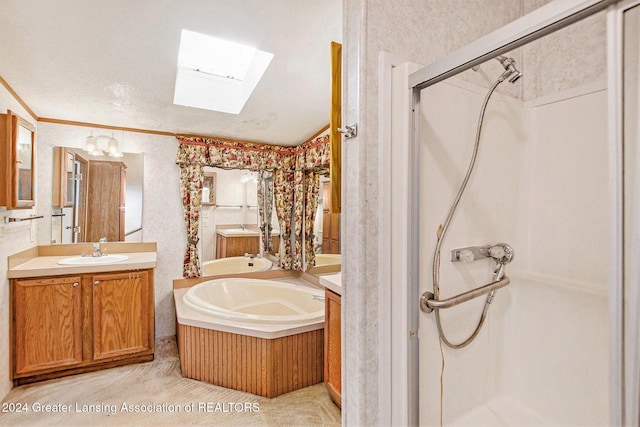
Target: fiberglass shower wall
540	184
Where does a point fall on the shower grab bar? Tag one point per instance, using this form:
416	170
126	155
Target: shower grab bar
428	303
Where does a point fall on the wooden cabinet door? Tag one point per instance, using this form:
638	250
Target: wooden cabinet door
121	314
47	317
333	347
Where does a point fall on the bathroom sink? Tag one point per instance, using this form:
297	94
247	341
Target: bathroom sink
90	260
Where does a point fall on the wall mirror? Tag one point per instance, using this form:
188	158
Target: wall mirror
241	220
229	214
326	224
96	197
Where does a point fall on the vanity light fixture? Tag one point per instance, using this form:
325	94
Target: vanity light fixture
112	149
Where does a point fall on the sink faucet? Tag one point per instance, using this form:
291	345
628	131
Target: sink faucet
243	226
97	252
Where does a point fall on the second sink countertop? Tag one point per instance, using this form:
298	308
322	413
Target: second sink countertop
333	282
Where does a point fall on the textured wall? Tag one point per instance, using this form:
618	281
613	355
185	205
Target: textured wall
526	191
13	238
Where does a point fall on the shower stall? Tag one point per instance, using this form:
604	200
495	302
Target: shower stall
517	165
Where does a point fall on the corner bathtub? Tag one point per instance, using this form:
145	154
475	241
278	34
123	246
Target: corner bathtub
234	265
256	300
264	337
328	259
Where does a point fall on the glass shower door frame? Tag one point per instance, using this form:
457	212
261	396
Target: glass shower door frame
541	22
624	290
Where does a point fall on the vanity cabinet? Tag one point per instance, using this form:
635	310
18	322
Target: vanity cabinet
17	139
333	347
71	324
228	246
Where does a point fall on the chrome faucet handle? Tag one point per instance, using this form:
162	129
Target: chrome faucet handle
96	250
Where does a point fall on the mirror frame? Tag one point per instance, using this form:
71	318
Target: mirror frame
10	191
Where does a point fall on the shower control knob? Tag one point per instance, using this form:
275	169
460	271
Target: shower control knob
501	253
497	252
465	255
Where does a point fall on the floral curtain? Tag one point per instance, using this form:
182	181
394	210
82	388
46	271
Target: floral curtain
298	215
191	178
313	155
293	193
230	154
283	192
311	190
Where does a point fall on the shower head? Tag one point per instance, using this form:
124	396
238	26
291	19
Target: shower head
511	73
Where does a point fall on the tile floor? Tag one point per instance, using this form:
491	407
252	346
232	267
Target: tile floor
121	397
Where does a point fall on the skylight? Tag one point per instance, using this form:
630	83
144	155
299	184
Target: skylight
216	74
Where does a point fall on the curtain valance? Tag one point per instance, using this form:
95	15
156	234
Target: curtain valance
311	155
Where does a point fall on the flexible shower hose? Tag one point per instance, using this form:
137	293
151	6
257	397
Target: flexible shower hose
442	232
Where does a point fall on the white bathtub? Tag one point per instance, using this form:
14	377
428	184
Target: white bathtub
328	259
234	265
256	300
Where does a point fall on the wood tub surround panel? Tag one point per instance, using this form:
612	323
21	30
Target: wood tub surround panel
265	367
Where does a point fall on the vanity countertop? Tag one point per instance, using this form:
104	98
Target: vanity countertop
333	282
238	232
40	262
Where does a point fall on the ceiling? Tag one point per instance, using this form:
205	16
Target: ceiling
114	62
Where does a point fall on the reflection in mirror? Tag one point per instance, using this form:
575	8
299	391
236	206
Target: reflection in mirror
327	228
96	197
265	211
229	225
25	162
243	215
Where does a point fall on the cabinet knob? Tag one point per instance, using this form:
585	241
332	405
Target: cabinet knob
75	284
96	282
